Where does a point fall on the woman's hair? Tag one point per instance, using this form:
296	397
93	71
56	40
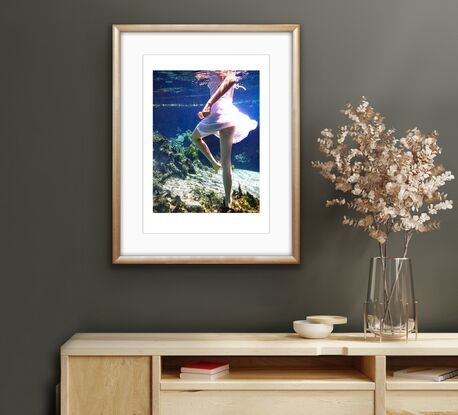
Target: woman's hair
204	76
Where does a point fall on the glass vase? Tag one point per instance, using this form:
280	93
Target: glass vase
390	310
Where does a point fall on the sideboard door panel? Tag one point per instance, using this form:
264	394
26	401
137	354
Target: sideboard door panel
267	402
109	385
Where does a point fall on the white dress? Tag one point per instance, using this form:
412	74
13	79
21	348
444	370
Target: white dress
225	114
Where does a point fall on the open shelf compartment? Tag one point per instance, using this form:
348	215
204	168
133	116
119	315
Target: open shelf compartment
404	362
273	373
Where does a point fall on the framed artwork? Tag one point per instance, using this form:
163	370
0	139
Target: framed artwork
206	144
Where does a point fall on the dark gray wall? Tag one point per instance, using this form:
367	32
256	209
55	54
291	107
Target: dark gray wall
55	97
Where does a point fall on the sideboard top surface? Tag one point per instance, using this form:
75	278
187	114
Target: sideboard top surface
255	344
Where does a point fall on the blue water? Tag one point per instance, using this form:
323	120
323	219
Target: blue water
177	98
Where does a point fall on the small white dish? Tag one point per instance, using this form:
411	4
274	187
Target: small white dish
312	330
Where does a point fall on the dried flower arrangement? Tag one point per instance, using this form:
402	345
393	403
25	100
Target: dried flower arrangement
391	183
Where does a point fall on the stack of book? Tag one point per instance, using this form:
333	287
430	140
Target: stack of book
204	370
434	374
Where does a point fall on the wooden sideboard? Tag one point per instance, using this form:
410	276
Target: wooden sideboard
271	374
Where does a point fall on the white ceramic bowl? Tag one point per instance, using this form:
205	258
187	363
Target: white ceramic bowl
312	330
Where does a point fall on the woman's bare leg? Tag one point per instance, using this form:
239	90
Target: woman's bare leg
202	146
225	142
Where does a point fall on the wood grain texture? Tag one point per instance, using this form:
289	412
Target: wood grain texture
258	344
421	403
116	145
404	362
395	383
206	27
215	259
274	379
324	319
64	408
366	365
294	257
156	384
274	373
295	145
374	367
380	384
267	402
109	385
173	363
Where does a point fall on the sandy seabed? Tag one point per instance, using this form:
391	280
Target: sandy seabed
206	180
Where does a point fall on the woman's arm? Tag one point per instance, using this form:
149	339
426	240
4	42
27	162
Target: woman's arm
222	89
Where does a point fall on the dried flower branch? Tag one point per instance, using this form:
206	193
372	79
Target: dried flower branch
392	184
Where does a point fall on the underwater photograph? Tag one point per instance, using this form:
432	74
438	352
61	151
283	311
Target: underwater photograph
205	136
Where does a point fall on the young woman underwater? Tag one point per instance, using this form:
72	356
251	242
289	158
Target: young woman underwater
222	118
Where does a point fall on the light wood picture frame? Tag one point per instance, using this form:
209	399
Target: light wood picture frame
278	242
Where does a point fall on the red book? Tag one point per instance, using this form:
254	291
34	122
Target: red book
207	368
